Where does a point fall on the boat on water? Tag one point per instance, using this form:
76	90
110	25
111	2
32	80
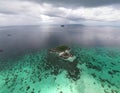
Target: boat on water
62	25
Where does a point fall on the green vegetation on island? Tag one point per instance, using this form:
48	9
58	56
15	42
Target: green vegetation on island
62	48
63	51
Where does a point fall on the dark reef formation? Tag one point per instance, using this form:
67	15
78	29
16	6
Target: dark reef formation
56	64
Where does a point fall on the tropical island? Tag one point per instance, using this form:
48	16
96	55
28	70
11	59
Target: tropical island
63	52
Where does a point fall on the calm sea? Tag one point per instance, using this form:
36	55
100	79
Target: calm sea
17	40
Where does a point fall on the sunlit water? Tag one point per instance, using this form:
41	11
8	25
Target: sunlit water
26	66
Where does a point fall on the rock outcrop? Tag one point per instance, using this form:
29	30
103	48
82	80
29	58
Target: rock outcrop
63	52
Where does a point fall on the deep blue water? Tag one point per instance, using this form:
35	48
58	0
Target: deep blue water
17	40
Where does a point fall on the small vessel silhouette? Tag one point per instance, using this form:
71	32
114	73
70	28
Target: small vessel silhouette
62	25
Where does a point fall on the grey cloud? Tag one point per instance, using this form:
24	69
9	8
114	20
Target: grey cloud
39	11
58	14
7	12
78	3
76	19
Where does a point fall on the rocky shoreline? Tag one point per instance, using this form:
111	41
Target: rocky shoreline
63	52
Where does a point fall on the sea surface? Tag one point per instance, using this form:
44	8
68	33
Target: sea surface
27	67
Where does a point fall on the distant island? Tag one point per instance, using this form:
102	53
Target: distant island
76	25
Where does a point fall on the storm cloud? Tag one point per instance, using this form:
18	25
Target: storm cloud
35	12
78	3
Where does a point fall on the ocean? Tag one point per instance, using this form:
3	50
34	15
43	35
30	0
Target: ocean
27	67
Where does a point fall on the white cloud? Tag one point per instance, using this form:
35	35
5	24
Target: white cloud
25	13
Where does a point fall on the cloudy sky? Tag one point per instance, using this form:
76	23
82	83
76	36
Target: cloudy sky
35	12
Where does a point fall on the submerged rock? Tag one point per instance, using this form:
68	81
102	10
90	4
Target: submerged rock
8	34
1	50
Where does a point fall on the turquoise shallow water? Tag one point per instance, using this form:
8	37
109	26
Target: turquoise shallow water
96	70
